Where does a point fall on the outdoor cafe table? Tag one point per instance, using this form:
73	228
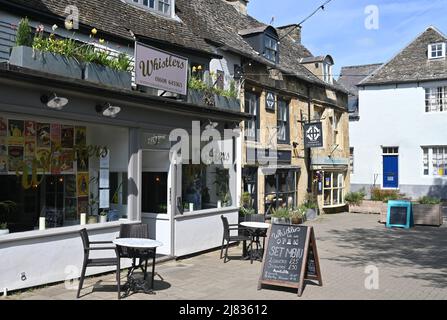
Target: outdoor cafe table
139	244
255	228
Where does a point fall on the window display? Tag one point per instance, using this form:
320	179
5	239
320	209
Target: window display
333	189
51	169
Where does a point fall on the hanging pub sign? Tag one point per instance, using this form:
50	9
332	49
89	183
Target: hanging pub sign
313	135
160	69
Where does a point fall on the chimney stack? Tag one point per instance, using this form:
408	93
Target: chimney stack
293	31
240	5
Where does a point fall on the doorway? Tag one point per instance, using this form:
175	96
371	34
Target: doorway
391	167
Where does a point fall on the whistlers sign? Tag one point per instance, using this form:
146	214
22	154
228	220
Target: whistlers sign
160	69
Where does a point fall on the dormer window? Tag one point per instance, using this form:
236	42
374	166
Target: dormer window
270	48
436	51
327	72
160	6
263	40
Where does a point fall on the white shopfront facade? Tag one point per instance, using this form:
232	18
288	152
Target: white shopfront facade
147	186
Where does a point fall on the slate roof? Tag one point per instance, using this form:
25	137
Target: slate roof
220	22
351	76
116	18
412	63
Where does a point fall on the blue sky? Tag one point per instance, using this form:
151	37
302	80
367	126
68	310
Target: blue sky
340	29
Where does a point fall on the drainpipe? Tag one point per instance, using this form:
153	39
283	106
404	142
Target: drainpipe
309	150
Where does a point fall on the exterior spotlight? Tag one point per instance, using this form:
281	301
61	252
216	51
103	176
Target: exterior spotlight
54	102
108	110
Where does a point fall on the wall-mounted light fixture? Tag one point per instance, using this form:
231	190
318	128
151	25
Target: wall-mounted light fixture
53	101
108	110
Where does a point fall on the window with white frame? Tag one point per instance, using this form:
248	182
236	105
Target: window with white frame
436	50
334	189
390	150
435	99
160	6
327	72
435	161
335	121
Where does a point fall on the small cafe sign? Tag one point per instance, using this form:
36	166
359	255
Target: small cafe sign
160	69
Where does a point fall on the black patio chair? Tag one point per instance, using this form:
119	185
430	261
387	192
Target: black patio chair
227	229
98	262
136	231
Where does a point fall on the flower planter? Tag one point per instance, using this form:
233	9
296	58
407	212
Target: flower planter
196	96
107	76
371	207
4	232
281	220
234	104
47	62
427	214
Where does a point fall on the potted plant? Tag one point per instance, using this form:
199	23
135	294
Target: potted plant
428	211
311	206
5	209
103	216
355	199
298	215
45	54
281	216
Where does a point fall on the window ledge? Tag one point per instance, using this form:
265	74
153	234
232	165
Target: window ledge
335	206
207	212
158	216
20	236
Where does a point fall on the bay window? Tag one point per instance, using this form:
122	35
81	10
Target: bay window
333	189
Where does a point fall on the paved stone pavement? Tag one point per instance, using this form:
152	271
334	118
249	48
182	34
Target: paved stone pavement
412	264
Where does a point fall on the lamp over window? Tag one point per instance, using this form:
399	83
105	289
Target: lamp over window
54	102
108	110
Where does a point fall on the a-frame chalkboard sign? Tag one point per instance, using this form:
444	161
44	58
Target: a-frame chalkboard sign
290	257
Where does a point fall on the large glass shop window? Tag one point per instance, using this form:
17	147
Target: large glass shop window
333	189
205	187
57	170
280	190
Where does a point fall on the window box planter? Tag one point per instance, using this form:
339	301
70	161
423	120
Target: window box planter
47	62
195	97
107	76
427	214
234	104
281	220
371	207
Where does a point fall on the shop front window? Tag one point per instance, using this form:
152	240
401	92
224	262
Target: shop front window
205	187
74	179
280	190
333	189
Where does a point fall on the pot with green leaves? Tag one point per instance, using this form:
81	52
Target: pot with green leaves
5	209
282	215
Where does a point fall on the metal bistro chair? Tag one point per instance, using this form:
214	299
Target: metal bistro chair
227	228
136	231
100	262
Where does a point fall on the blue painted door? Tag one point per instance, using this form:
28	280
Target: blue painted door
390	171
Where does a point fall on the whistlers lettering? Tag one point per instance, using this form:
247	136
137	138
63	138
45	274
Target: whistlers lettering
149	66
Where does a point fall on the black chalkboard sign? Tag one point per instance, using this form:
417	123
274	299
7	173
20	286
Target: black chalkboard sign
398	215
290	257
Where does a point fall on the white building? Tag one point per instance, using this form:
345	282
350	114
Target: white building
398	137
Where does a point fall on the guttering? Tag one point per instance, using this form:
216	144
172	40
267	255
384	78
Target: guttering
382	83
